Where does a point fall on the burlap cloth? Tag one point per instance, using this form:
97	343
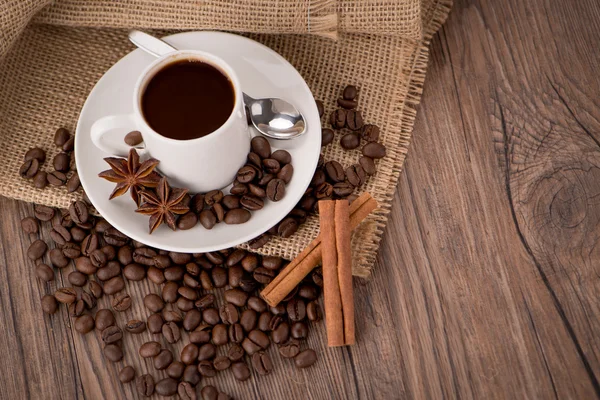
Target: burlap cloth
52	57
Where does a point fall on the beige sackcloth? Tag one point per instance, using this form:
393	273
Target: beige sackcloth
53	52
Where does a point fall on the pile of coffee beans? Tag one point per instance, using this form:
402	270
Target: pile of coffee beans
62	164
208	300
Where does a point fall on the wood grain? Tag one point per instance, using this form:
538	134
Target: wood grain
488	277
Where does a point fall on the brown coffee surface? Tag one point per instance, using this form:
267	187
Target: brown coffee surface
187	100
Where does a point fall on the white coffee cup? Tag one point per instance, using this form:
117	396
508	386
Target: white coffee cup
200	165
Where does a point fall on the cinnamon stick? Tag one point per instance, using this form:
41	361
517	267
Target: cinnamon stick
337	271
289	277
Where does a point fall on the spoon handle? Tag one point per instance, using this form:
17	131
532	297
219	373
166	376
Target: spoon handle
150	44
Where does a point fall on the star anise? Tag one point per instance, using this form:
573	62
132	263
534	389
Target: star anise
130	174
163	205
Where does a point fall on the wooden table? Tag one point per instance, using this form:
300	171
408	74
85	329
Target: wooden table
488	280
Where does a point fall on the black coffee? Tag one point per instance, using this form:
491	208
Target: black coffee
187	100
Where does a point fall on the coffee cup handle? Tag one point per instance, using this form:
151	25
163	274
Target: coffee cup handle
108	134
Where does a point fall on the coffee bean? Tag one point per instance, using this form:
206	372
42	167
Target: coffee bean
29	225
144	256
61	162
289	349
235	334
343	189
155	275
254	159
166	387
49	304
79	212
206	368
238	189
255	341
237	216
85	324
113	352
184	304
275	321
299	330
205	281
368	165
279	309
241	372
188	293
318	178
175	370
355	174
283	156
149	349
263	275
174	273
251	202
266	178
187	221
111	270
287	227
37	250
215	258
286	173
134	272
281	333
71	250
320	107
235	352
257	304
305	358
247	283
374	150
337	119
256	191
89	300
135	326
326	136
261	362
85	266
221	363
246	174
259	242
56	178
201	334
219	277
308	292
112	334
296	309
229	314
35	154
350	92
96	289
354	120
97	259
133	138
261	146
212	197
249	262
153	302
335	171
61	136
76	278
76	308
208	219
43	213
69	144
104	319
171	332
29	168
66	295
113	285
271	166
197	203
317	276
370	133
236	297
350	141
89	244
145	385
189	354
127	374
205	301
77	234
155	323
231	202
40	180
44	272
121	302
115	238
191	375
323	191
192	320
163	359
347	104
208	351
276	189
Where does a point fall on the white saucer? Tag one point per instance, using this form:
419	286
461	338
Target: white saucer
262	73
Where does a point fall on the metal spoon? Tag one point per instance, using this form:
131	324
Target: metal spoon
272	117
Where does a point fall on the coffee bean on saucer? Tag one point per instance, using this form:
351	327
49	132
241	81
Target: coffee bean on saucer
29	168
246	174
283	156
56	178
271	166
356	174
354	120
208	219
347	104
40	180
237	216
212	197
285	174
73	183
326	136
266	178
187	221
350	141
231	201
287	227
335	171
35	153
368	165
49	304
374	150
276	189
133	138
320	107
127	374
305	358
238	189
61	162
144	385
261	146
254	159
251	202
61	136
219	211
338	119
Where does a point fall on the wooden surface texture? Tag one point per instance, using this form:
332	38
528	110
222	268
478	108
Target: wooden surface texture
488	279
